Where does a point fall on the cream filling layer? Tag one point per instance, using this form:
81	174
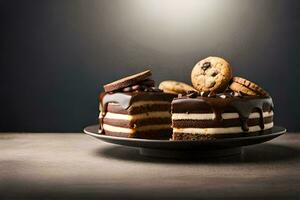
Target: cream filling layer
251	116
210	116
156	114
131	130
193	116
228	130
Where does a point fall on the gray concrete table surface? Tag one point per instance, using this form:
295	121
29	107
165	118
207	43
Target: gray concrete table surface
77	166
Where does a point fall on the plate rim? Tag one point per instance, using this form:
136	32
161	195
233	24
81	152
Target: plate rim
100	136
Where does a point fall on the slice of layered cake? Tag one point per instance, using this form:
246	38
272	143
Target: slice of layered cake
132	107
220	116
222	106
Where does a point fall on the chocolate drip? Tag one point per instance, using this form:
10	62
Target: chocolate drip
244	123
218	114
261	117
122	99
244	108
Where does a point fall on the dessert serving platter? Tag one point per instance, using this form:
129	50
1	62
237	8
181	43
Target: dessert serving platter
188	149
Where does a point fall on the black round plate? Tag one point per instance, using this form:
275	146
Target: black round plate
169	148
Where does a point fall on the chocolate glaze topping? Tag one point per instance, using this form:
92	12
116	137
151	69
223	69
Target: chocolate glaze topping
243	105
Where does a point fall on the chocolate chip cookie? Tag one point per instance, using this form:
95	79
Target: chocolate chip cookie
247	87
211	74
175	87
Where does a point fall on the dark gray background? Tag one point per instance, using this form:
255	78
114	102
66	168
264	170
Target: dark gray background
56	55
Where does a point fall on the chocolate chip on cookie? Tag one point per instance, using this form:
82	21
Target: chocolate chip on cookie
128	81
247	87
192	94
211	74
205	65
175	87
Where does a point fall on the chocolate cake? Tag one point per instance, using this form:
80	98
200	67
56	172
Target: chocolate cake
197	117
216	106
136	114
133	107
